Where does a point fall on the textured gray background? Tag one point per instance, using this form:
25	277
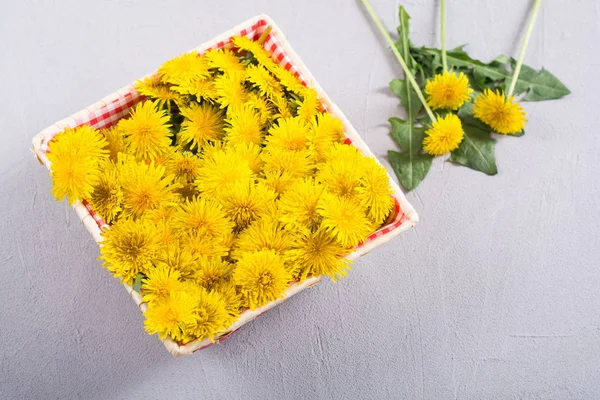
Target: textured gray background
495	294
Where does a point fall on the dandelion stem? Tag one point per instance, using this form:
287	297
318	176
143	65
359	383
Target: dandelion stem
407	72
515	77
443	29
264	35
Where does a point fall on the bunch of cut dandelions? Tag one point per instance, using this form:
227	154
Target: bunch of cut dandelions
471	100
224	186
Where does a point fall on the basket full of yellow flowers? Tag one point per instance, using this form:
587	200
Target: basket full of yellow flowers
221	184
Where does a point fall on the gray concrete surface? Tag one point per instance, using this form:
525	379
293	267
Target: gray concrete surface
495	295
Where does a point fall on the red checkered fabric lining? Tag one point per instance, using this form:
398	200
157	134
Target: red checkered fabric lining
99	221
110	110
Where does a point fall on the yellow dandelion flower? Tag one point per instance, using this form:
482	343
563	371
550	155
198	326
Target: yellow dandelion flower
166	234
266	84
261	277
448	90
162	159
344	218
212	273
177	258
211	148
244	201
343	171
184	166
375	193
289	80
188	191
162	214
201	88
168	318
325	130
230	89
309	106
296	163
202	213
210	316
184	69
345	152
288	134
145	187
229	239
116	143
161	217
504	116
258	51
277	181
83	141
73	177
282	106
220	171
129	247
203	122
159	283
224	60
265	233
299	204
75	155
245	43
201	244
250	153
146	131
231	300
262	107
244	125
107	197
155	89
444	135
318	253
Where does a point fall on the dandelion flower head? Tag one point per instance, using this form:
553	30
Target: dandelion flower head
261	277
444	135
502	114
448	90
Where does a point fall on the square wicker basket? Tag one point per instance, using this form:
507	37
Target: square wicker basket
107	112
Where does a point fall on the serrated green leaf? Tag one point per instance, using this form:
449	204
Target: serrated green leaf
420	76
487	80
409	137
526	75
465	113
476	82
476	151
494	70
410	168
397	87
426	62
436	65
403	44
458	58
466	109
503	59
401	87
137	284
542	85
408	97
460	48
